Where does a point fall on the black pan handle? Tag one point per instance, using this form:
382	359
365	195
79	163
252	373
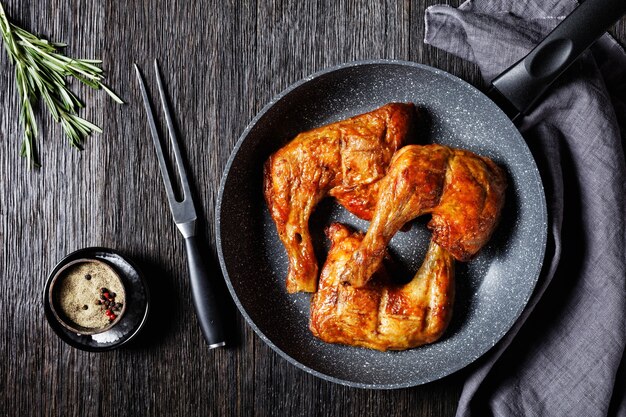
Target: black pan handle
524	82
205	296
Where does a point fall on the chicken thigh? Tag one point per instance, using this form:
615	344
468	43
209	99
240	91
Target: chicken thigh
345	160
381	314
464	193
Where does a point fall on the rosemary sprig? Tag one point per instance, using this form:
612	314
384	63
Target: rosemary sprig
40	73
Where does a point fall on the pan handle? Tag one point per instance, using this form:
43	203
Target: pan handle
519	87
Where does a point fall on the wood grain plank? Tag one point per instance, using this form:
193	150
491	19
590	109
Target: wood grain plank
222	62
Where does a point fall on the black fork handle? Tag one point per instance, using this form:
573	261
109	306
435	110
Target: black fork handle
525	81
205	295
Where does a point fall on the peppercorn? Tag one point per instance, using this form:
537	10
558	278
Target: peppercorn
87	277
85	307
109	306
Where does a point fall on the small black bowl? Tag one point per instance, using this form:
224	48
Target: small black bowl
136	310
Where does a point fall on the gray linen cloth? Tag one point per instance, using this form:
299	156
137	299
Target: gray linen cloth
563	356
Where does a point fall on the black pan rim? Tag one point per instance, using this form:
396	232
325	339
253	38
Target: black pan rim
218	214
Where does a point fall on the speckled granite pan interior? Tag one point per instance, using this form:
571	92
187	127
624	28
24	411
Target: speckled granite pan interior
492	290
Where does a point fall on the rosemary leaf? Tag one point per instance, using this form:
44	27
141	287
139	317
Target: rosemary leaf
83	122
114	96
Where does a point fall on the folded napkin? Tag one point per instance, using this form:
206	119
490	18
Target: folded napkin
563	356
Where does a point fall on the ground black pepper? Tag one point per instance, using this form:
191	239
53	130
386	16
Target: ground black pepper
80	287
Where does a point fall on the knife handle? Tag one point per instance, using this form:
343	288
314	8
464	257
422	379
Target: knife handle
205	296
525	81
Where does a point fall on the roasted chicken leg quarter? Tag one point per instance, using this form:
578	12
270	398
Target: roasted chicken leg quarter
381	315
462	191
346	160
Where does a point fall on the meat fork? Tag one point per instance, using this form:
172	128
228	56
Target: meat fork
205	297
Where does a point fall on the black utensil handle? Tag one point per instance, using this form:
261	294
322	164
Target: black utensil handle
205	296
524	82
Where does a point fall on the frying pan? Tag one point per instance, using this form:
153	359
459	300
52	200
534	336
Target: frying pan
492	289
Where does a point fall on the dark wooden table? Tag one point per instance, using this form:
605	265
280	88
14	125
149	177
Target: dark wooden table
223	61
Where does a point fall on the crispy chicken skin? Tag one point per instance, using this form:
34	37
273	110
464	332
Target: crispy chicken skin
464	193
381	315
345	160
